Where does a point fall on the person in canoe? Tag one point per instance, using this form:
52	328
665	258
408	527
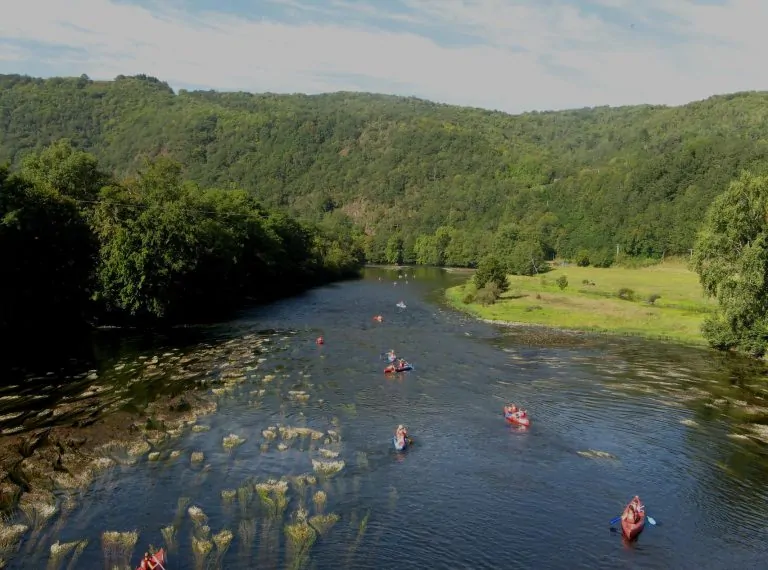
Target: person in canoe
400	434
401	363
633	510
149	562
510	409
391	356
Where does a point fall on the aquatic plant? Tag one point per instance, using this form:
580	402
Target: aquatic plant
174	454
197	456
319	499
58	551
222	540
282	446
246	531
244	497
327	453
198	428
169	536
201	548
81	546
154	456
181	506
272	495
362	460
118	547
197	515
232	441
324	523
38	507
138	448
228	495
270	433
300	538
10	535
327	468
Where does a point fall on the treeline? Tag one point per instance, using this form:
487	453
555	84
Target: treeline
427	183
78	246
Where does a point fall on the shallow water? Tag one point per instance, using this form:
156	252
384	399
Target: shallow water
472	492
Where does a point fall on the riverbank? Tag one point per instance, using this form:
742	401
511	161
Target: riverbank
663	301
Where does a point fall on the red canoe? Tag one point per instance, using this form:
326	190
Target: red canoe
158	557
513	419
633	529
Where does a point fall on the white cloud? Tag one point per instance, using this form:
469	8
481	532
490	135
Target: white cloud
505	68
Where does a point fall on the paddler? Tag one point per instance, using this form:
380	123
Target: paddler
149	562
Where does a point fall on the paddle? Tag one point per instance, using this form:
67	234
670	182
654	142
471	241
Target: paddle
651	520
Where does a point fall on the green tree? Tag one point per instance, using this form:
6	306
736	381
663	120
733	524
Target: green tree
394	251
491	271
731	258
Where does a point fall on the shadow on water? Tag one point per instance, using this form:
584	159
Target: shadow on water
296	468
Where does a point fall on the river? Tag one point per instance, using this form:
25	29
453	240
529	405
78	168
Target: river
472	492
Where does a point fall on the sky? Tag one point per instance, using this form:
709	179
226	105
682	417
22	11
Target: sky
509	55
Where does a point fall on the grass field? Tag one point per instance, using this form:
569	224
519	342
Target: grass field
590	302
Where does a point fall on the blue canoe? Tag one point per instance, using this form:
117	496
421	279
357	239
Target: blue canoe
399	447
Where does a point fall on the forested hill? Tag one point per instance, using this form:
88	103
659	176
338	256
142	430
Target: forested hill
429	183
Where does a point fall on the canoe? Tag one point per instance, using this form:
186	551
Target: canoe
159	557
391	368
513	419
632	530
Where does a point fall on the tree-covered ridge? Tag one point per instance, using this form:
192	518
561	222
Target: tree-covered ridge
77	245
428	183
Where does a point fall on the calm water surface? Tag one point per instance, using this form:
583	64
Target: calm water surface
472	492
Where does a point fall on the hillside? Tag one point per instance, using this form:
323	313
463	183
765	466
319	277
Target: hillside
438	179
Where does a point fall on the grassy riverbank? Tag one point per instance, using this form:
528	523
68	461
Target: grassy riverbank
591	301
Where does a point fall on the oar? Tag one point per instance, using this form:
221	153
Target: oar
651	520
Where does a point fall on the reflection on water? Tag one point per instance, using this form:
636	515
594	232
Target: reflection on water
296	468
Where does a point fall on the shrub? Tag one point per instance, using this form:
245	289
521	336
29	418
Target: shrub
469	297
491	270
653	297
562	282
626	294
486	296
582	258
530	308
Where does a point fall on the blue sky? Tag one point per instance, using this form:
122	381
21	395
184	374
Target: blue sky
512	55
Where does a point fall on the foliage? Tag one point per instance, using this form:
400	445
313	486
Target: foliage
490	270
731	258
76	245
448	182
626	294
562	282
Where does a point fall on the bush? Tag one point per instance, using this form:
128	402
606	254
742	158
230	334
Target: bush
486	296
582	258
626	294
468	298
531	308
653	297
562	282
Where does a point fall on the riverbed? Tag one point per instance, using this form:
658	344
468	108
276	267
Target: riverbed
313	431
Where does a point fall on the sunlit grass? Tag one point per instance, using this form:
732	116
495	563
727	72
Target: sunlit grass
272	496
199	518
327	468
324	523
231	441
677	314
319	499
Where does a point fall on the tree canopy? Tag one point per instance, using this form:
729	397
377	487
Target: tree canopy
77	245
424	182
731	257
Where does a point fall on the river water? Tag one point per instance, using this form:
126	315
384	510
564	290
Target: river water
472	492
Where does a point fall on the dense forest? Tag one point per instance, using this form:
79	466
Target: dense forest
425	183
80	246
